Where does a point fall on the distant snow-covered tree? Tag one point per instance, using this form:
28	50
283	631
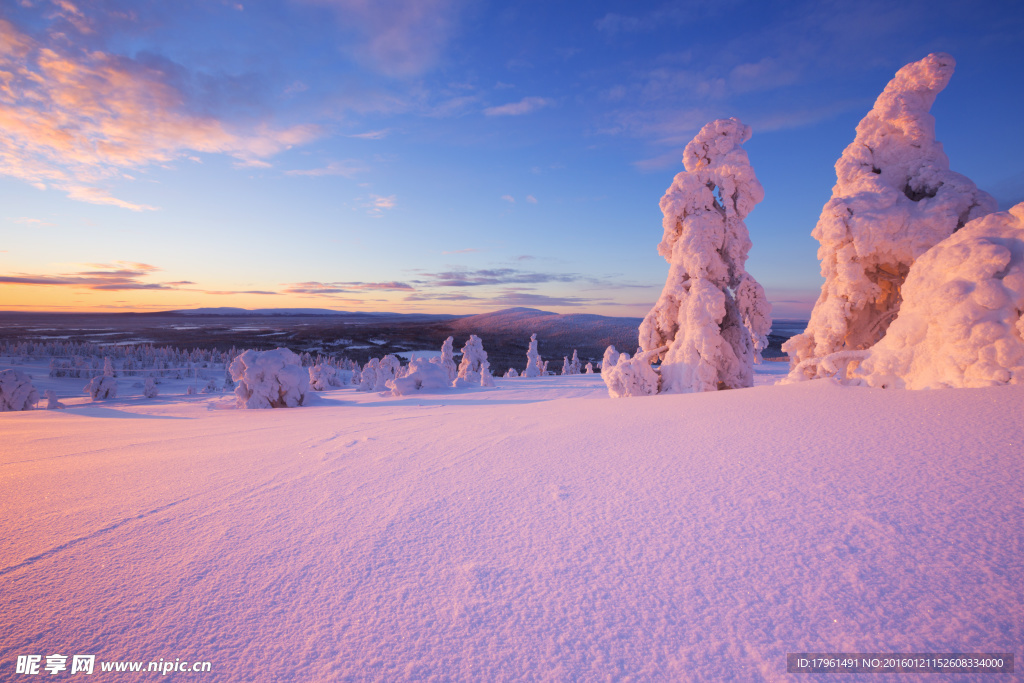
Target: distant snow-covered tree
103	387
17	391
474	370
447	360
368	378
269	379
534	363
210	387
894	198
712	319
387	370
574	364
511	373
149	389
589	369
52	403
323	377
566	370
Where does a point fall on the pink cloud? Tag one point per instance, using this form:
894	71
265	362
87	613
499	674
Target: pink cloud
526	105
77	120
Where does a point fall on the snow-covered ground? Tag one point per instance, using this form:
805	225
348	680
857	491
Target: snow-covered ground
538	530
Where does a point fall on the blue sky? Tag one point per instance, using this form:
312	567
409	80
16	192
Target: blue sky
444	155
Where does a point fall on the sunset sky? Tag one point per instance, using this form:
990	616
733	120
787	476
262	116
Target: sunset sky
444	155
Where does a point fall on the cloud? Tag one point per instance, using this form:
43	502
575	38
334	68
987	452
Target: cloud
117	276
397	37
76	120
507	298
372	134
29	221
491	276
509	198
526	105
330	289
348	169
531	199
377	204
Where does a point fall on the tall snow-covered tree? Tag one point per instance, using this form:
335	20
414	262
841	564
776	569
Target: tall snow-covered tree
894	199
474	368
534	363
712	319
447	360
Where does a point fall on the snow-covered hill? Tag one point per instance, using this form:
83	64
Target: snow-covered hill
538	530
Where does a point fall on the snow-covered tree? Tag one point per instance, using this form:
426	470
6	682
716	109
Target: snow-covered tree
149	389
894	199
511	373
269	379
323	377
534	364
190	390
447	360
960	323
210	387
712	319
17	391
630	376
566	370
574	364
387	370
422	375
368	378
589	369
52	403
474	370
103	387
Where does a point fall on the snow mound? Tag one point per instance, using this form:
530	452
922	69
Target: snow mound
422	375
17	391
269	379
712	319
960	323
894	199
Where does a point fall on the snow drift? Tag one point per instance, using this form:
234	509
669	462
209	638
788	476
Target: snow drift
894	199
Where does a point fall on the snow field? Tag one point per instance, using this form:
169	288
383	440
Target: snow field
537	530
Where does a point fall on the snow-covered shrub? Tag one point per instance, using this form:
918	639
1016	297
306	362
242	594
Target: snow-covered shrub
447	360
269	379
368	378
511	373
422	375
323	377
104	386
589	369
960	324
894	199
17	391
210	387
712	319
474	370
149	389
535	366
571	367
611	357
51	400
631	376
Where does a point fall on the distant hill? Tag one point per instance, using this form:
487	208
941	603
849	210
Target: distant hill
556	328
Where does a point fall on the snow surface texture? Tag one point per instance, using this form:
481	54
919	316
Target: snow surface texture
894	199
712	316
960	323
534	364
421	375
269	379
17	391
539	532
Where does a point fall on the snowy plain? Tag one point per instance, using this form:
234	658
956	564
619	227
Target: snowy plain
537	530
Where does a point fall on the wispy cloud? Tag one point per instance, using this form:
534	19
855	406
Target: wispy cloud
491	276
527	105
348	169
507	298
372	134
531	199
77	119
397	37
29	221
509	198
330	289
376	205
120	275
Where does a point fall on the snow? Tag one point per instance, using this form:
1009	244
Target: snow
536	531
269	379
474	370
894	199
960	323
712	318
421	375
17	391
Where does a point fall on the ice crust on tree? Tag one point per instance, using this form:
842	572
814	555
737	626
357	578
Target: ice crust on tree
625	376
422	375
474	370
534	365
17	391
269	379
960	322
712	319
894	199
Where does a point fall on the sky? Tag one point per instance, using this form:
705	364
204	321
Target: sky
445	156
